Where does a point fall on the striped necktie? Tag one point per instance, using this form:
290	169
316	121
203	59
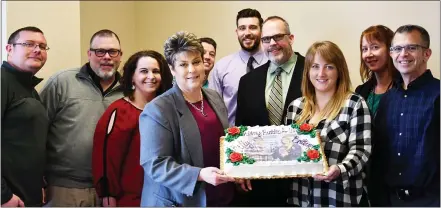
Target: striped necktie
275	101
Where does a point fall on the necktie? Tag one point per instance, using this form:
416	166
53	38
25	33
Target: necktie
275	101
250	64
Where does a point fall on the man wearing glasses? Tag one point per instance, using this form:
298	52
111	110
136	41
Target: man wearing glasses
407	136
265	93
75	99
227	71
24	121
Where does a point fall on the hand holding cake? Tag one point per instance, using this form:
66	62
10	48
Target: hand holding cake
214	176
332	174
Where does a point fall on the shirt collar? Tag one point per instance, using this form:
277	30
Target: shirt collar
258	56
418	82
287	66
23	77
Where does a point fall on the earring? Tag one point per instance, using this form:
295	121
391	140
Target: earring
133	87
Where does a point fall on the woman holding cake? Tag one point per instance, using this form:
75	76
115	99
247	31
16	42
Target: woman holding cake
343	122
180	133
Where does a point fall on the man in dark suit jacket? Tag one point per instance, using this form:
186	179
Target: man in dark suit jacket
264	95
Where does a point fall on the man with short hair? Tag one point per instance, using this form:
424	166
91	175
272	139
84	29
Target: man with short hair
24	119
407	136
228	71
209	56
264	95
75	99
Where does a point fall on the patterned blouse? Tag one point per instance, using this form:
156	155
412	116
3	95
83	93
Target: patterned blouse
347	144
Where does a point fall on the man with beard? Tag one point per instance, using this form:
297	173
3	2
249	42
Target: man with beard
209	56
24	120
264	95
75	99
228	71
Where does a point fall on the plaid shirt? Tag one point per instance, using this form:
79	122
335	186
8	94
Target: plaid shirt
347	144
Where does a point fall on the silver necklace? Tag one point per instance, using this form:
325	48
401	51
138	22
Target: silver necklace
202	106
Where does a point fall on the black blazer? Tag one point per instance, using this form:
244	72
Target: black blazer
251	105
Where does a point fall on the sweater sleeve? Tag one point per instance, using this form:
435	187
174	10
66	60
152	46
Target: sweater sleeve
359	142
114	147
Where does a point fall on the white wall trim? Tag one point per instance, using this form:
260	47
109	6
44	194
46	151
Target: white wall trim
4	26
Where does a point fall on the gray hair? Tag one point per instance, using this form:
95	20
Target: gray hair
182	41
272	18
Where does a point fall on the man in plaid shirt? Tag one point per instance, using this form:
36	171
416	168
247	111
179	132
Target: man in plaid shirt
343	121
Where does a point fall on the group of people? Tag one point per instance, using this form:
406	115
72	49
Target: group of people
150	136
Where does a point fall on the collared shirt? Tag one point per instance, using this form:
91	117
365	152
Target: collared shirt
408	134
226	75
346	142
205	84
286	75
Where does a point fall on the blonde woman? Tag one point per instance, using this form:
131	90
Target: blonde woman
343	121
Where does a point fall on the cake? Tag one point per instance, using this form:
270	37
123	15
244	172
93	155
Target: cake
266	152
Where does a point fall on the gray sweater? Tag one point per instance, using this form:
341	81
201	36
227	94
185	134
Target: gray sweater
74	104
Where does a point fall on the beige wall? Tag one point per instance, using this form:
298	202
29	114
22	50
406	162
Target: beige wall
340	22
118	16
68	25
60	22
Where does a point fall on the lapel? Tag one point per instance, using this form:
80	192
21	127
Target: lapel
260	89
188	128
216	104
295	85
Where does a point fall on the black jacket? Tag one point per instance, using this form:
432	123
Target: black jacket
252	111
24	129
251	105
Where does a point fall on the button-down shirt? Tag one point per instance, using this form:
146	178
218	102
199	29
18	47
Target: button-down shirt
226	75
286	75
408	134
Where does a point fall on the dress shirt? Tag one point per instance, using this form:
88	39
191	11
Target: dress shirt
226	75
408	135
286	75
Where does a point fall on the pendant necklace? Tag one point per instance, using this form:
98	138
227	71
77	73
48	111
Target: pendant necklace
201	110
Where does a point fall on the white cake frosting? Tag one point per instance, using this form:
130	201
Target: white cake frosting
272	152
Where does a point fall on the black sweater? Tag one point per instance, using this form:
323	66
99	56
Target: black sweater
24	128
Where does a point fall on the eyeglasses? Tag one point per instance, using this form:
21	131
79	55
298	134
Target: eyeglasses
410	48
102	52
278	37
32	46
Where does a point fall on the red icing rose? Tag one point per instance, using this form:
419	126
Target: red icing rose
306	127
236	157
313	154
233	130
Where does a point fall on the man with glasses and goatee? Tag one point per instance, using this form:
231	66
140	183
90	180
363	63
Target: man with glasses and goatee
264	95
24	120
75	99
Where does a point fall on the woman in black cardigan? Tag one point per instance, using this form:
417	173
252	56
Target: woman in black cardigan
378	73
376	67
